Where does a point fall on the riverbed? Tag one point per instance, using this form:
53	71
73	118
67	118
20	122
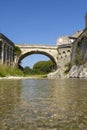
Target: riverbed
43	104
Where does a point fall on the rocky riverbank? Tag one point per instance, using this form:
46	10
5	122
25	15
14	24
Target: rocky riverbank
75	72
59	73
78	71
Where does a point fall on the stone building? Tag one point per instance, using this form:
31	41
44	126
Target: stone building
6	50
68	39
86	20
64	44
79	46
79	55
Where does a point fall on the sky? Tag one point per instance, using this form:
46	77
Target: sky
40	22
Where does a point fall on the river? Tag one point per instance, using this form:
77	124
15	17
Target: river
43	104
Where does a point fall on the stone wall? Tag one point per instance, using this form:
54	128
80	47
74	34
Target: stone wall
64	53
86	20
80	45
79	52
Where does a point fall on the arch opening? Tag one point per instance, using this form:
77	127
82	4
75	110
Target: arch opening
38	52
31	60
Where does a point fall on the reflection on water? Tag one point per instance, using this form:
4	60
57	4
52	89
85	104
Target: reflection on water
43	104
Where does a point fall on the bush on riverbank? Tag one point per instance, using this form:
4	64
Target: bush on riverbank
9	71
40	68
43	67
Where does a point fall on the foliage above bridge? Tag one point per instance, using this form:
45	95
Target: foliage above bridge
17	51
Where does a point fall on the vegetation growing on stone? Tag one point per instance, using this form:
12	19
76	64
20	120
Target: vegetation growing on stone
78	58
68	66
17	51
78	61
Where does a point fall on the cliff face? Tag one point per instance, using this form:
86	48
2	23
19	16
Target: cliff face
75	72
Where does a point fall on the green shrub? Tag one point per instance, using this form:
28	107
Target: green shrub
27	70
43	67
3	70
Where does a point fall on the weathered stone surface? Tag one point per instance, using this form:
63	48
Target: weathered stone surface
78	71
54	75
75	72
59	73
48	50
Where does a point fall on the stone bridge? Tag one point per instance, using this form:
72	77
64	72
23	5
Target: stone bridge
49	51
60	55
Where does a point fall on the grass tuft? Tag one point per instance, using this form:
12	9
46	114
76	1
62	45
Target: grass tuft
9	71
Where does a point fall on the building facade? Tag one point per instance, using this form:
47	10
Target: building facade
63	40
6	50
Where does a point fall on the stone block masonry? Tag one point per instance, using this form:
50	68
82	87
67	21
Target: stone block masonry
6	50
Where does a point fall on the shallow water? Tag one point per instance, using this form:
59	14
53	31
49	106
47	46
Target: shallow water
43	104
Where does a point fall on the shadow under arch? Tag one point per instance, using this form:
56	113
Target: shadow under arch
37	52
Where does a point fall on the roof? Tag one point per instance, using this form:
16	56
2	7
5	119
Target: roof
6	39
82	35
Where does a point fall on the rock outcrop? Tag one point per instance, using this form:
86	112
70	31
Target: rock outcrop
75	72
59	73
78	71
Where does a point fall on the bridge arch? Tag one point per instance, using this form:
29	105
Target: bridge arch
22	56
29	49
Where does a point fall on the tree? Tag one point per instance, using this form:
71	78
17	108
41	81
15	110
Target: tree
27	70
43	67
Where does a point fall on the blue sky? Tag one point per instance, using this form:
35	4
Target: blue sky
40	21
